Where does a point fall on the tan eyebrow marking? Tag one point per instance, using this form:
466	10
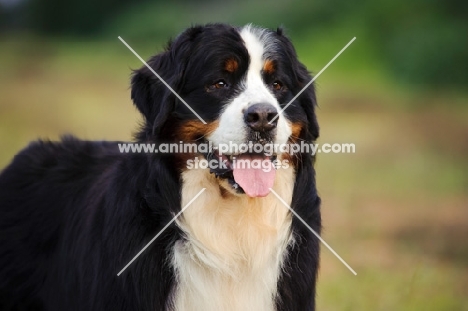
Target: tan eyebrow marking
269	66
231	65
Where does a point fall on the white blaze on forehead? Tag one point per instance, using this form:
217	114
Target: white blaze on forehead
257	42
255	47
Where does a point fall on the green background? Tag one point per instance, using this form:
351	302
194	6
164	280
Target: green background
396	210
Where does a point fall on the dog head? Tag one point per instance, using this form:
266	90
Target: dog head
234	83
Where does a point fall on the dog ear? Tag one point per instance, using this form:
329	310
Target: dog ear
149	94
307	99
308	102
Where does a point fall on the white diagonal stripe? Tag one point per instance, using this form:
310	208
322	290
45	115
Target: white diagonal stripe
313	231
159	77
162	230
313	79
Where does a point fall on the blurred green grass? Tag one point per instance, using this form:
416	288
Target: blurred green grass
396	210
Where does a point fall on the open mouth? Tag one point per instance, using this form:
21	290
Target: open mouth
249	173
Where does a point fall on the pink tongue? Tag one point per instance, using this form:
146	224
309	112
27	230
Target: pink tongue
255	174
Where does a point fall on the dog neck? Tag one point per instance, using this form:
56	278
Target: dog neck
234	245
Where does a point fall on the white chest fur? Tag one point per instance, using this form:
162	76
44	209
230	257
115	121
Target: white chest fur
235	246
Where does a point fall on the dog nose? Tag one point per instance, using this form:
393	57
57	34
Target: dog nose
258	117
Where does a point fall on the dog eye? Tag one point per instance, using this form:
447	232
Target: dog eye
277	85
220	84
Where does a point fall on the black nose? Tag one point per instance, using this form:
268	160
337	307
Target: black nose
258	117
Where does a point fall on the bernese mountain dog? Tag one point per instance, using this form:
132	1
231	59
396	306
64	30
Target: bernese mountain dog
74	212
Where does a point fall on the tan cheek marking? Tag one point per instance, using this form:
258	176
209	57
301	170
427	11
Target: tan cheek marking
269	67
191	130
296	129
231	65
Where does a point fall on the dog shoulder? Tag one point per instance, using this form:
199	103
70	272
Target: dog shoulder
42	159
47	170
